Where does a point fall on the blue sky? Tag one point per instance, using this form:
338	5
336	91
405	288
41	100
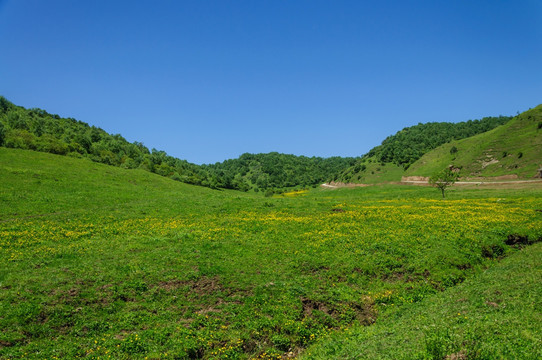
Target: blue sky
209	80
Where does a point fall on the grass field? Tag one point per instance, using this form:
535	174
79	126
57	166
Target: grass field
102	262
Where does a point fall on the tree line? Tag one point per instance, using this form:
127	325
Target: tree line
411	143
36	129
275	172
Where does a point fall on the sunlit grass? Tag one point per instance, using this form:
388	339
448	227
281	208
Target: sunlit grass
133	268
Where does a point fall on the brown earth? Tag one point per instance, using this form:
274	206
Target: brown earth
505	181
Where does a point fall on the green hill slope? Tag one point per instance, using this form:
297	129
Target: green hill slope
496	315
387	161
36	184
36	129
514	148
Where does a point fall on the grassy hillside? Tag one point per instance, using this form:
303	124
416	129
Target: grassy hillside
387	161
370	171
98	261
495	315
36	129
511	149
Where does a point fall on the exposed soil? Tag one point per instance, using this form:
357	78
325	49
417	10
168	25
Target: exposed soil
336	185
365	312
517	240
495	182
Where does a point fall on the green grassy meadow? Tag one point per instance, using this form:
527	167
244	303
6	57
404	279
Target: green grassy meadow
102	262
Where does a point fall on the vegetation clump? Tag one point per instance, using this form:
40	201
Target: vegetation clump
444	179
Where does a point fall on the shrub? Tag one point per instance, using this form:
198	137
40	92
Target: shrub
176	177
48	143
20	139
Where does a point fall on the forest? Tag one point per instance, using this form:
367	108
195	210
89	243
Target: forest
276	171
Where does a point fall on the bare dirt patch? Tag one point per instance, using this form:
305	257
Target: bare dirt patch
171	285
364	312
414	178
489	162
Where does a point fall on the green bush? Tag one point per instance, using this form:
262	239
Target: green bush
20	139
50	144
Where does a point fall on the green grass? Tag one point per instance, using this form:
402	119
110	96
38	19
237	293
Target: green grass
373	172
494	315
514	148
98	261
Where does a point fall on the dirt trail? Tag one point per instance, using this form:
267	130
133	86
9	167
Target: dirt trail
334	185
489	182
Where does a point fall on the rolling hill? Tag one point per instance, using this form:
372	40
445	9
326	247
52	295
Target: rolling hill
509	147
513	149
36	129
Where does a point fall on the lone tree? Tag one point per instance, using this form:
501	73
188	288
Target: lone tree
444	178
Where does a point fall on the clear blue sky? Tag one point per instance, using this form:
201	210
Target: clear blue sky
209	80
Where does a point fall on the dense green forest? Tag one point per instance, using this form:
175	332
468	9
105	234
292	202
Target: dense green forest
36	129
276	171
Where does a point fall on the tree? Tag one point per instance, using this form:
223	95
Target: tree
444	179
